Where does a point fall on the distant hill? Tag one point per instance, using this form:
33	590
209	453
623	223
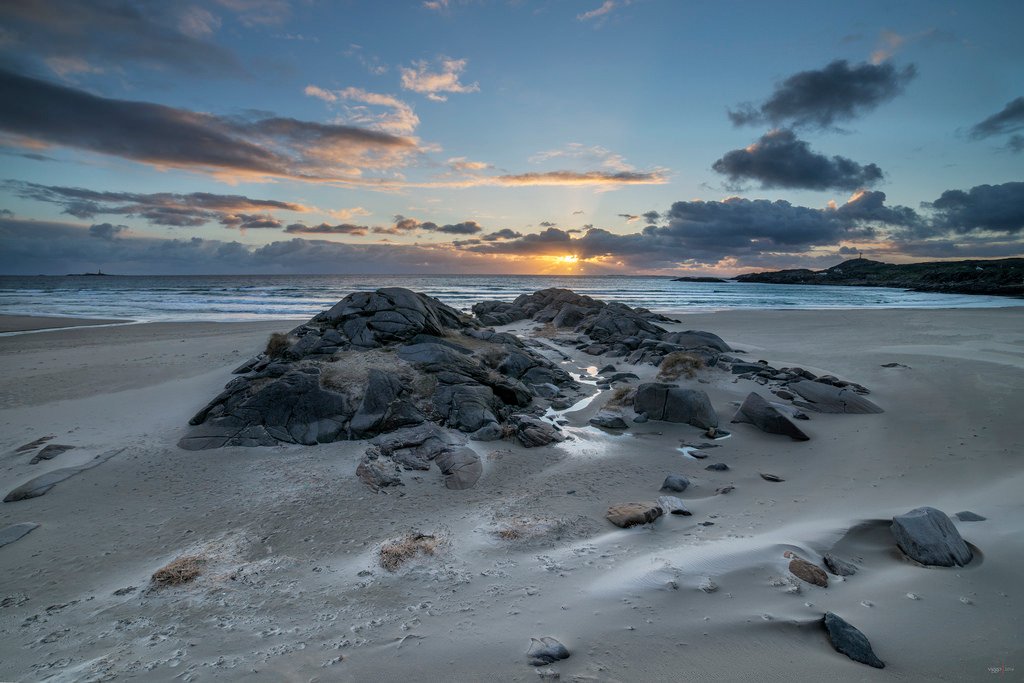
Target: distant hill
700	278
1003	277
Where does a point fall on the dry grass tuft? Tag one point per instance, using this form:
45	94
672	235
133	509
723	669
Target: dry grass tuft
278	343
678	364
396	553
182	570
509	533
492	357
621	397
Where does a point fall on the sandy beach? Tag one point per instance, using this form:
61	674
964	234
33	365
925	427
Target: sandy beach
293	589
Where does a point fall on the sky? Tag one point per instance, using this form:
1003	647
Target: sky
678	137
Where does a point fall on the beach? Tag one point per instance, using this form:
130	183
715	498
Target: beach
293	590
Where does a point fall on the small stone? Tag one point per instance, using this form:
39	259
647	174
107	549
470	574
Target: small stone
811	573
546	650
722	490
675	482
839	567
848	640
770	477
966	600
717	467
913	596
626	515
707	585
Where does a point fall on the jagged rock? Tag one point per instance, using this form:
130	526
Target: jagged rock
626	515
670	505
42	484
671	403
533	432
757	411
839	567
675	482
10	534
809	572
848	640
825	398
608	421
377	470
928	536
546	650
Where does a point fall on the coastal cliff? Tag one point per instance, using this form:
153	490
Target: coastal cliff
1002	277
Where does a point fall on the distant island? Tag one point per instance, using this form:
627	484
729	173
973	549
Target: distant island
1004	277
687	278
98	273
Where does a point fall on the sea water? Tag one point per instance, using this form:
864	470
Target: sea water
266	297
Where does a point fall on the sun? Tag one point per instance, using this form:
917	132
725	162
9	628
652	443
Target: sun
568	258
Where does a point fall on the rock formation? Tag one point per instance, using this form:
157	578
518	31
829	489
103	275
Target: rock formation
928	536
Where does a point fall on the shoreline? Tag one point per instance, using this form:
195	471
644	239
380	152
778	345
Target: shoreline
293	588
41	323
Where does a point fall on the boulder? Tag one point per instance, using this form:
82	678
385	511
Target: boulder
608	421
809	572
675	482
626	515
546	650
757	411
848	640
533	432
670	505
839	567
825	398
691	339
461	467
928	536
671	403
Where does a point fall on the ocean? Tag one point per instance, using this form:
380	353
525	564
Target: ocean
266	297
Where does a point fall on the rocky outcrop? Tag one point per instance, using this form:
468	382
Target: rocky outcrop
848	640
928	536
374	363
603	328
672	403
757	411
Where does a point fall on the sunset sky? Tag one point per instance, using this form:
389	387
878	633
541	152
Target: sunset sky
506	136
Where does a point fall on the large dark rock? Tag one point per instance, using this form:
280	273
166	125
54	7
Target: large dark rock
825	398
389	315
848	640
546	650
928	536
757	411
461	467
675	482
415	448
671	403
533	432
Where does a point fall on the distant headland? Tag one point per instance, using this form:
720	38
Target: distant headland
1004	277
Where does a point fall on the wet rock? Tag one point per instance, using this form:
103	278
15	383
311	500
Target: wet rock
717	467
671	403
767	476
675	482
50	452
839	567
757	411
606	370
670	505
42	484
968	516
825	398
848	640
928	536
626	515
10	534
608	421
546	650
811	573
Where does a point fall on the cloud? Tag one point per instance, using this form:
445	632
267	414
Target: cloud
42	113
325	229
578	213
503	234
602	11
107	231
462	164
399	118
405	225
419	78
593	154
651	217
572	178
780	159
991	208
163	208
371	63
75	36
259	12
630	218
1009	120
547	224
821	98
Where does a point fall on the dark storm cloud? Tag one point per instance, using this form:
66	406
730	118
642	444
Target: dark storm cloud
464	228
326	229
107	231
820	98
780	159
503	234
42	112
162	208
651	217
547	224
994	208
77	35
1009	120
